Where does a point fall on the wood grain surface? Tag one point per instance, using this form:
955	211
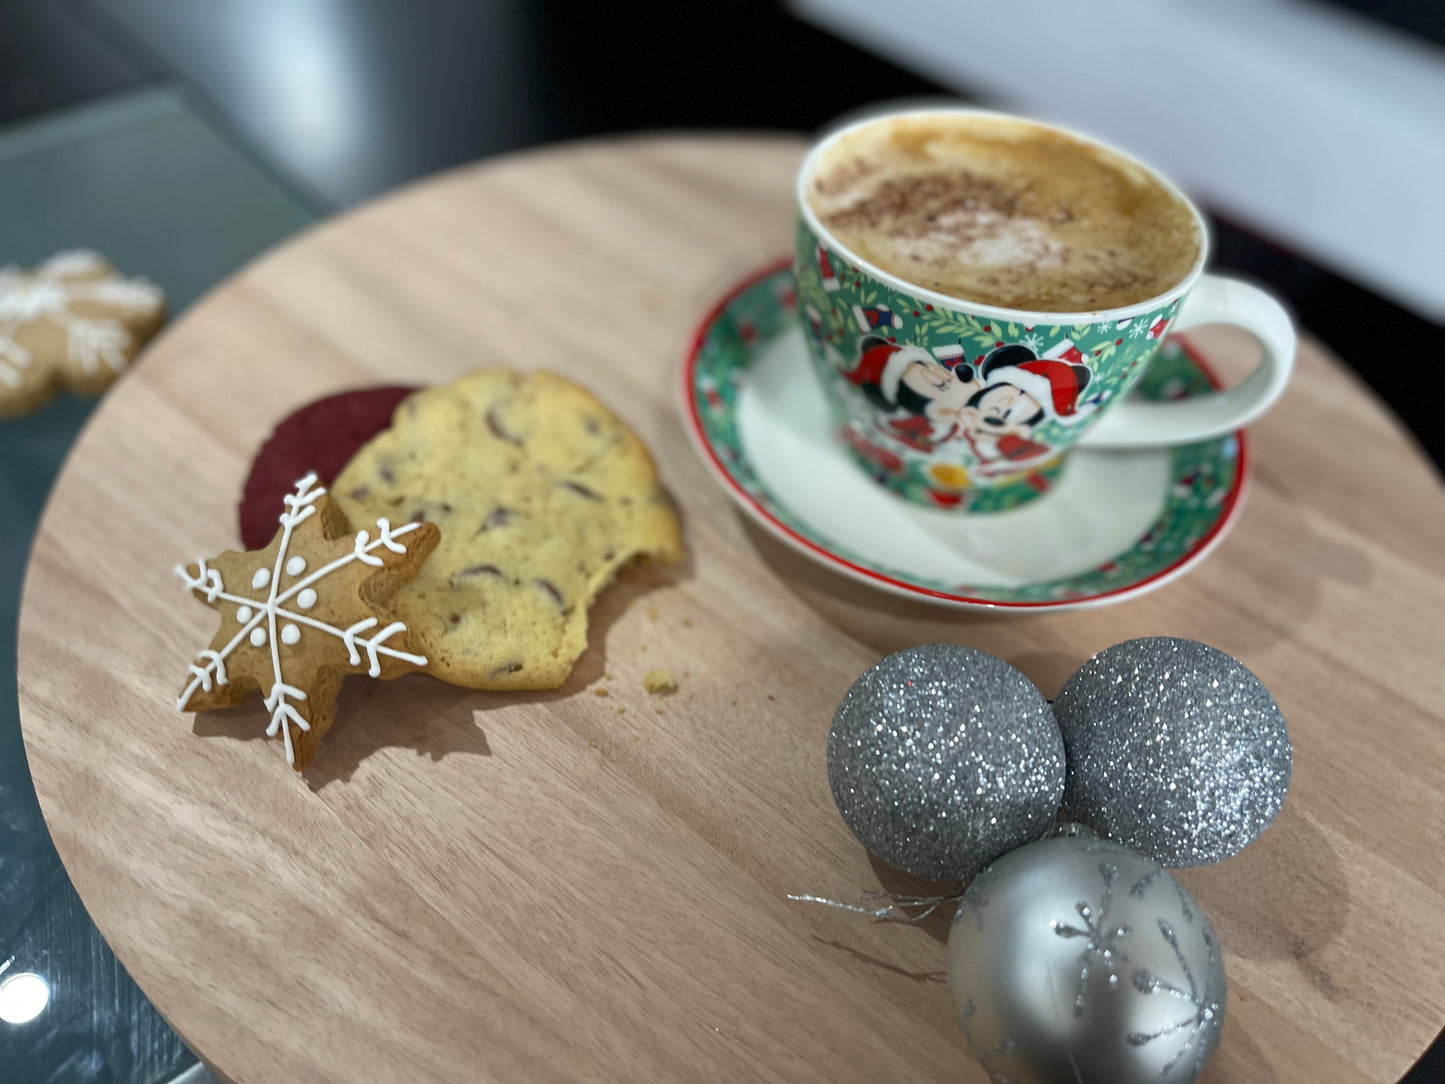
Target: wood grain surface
561	886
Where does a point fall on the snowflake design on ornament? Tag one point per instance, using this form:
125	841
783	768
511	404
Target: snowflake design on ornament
1203	1006
299	614
1140	887
1034	343
71	321
986	1054
1102	944
1138	329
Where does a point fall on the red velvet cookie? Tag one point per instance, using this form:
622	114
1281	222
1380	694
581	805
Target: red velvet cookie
321	437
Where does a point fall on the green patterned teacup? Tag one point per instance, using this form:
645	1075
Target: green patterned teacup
910	373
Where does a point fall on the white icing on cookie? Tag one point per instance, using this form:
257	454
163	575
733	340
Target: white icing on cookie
93	340
296	565
280	701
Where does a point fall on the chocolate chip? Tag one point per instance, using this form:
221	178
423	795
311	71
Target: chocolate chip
360	493
499	517
551	589
446	507
591	425
455	619
386	475
581	490
495	425
479	570
419	516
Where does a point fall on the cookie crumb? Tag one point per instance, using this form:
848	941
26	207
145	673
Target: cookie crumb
659	681
621	711
600	692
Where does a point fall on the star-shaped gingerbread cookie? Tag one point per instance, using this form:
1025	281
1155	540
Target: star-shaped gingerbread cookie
302	613
70	322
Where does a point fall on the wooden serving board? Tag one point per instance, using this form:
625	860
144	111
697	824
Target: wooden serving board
564	886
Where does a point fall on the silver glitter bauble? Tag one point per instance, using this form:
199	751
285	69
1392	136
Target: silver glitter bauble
1175	749
1076	959
941	758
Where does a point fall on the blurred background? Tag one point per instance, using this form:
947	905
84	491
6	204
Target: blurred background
182	138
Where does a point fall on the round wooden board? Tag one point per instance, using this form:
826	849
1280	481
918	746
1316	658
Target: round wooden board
482	887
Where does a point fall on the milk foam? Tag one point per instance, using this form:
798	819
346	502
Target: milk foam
1003	212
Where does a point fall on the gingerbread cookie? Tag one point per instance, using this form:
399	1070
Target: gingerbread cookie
302	612
542	495
71	322
319	437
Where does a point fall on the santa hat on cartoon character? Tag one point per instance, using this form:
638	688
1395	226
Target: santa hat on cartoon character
880	369
1055	381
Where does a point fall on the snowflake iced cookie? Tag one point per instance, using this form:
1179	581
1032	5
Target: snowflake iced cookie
542	495
303	612
70	322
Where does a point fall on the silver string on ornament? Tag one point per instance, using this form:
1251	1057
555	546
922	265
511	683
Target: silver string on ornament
907	910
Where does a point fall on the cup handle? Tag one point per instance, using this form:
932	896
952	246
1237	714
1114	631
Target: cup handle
1135	423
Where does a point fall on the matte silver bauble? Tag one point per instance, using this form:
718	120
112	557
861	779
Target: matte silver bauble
1078	959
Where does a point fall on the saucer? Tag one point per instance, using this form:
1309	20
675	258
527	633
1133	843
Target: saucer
1114	525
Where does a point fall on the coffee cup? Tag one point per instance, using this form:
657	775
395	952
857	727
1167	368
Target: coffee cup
980	292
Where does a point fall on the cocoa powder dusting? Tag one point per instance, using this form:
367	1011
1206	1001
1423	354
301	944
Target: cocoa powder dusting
1003	212
915	205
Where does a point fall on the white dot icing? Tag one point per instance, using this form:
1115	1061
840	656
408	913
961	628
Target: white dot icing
365	640
296	566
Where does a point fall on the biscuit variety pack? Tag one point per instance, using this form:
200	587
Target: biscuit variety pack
501	506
